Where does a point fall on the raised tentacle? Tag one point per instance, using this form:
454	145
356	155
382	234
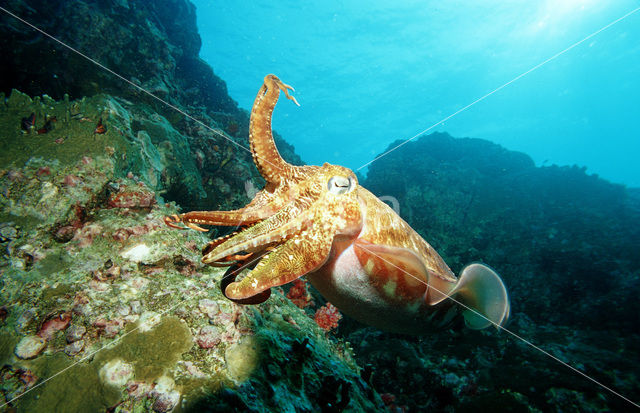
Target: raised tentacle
270	164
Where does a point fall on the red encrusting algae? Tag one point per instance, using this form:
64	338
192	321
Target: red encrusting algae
54	324
130	196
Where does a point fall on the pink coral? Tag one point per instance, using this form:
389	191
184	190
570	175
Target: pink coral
208	337
124	233
28	378
85	235
298	294
110	328
390	401
327	317
43	171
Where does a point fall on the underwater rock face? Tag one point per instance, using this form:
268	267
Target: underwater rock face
156	46
155	43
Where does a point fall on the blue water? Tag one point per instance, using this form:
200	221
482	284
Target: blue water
369	73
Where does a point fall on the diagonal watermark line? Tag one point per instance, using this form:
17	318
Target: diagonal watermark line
501	87
506	330
140	88
116	340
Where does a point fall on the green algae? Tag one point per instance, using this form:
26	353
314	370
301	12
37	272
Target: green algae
53	262
137	140
19	221
78	138
243	358
77	389
196	391
7	344
59	291
152	353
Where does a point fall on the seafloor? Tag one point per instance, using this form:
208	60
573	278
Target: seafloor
104	308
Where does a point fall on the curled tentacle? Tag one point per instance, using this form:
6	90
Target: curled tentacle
174	219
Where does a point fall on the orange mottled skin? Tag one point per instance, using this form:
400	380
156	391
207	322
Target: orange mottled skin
317	221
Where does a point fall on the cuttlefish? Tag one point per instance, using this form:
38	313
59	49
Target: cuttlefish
318	222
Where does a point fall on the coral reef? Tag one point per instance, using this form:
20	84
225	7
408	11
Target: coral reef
156	46
327	317
94	281
299	294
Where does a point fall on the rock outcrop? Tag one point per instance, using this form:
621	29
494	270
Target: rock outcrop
155	45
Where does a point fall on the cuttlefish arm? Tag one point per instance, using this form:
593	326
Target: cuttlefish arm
263	205
194	219
298	256
300	236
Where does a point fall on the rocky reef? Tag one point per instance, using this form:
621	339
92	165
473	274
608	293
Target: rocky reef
155	45
95	286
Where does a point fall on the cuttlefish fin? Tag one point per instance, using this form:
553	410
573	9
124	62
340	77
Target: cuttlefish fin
482	291
406	271
298	256
396	269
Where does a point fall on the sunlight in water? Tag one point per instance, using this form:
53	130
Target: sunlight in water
555	15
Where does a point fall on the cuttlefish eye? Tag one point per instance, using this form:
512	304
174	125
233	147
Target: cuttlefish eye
340	184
